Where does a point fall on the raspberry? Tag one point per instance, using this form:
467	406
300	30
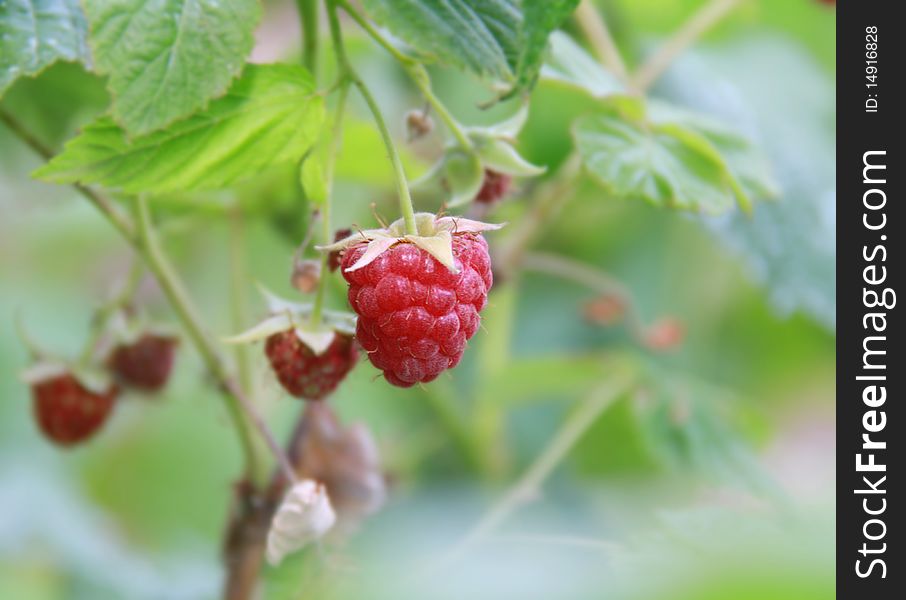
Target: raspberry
146	363
415	315
68	412
305	374
494	187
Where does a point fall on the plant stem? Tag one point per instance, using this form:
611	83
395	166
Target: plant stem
571	431
336	136
405	200
142	238
116	217
416	72
598	34
104	312
308	16
551	197
700	22
238	296
588	276
175	292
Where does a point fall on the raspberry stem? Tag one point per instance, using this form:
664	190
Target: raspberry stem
336	135
416	72
405	199
308	16
104	312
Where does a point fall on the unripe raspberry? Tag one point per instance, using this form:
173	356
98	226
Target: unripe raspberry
415	314
68	412
305	374
146	363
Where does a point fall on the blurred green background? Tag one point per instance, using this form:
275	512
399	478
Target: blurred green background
713	479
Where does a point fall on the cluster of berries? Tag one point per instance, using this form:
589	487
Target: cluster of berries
417	300
70	407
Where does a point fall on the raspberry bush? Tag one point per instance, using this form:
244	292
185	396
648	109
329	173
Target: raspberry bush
547	248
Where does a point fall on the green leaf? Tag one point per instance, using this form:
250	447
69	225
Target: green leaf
541	18
312	177
749	166
36	33
271	115
505	40
666	164
569	63
477	35
167	58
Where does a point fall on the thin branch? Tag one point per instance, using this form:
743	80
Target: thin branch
596	31
405	199
116	217
417	73
590	277
308	16
336	136
700	22
185	310
238	295
529	485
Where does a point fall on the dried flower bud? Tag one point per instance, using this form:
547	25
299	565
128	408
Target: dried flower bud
604	310
664	334
418	124
306	275
333	259
304	516
494	187
346	460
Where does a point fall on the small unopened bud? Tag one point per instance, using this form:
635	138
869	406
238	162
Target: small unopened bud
306	275
418	124
333	259
304	516
494	187
664	334
604	310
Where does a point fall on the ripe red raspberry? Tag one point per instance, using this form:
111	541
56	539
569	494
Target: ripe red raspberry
494	187
68	412
145	364
415	315
305	374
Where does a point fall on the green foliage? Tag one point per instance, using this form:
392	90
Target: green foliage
270	115
502	39
167	59
571	64
662	163
36	33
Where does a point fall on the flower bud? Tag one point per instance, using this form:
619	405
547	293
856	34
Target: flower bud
304	516
306	275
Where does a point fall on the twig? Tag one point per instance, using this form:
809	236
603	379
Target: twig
405	199
529	485
551	197
595	29
238	296
116	217
308	16
590	277
185	310
700	22
417	73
